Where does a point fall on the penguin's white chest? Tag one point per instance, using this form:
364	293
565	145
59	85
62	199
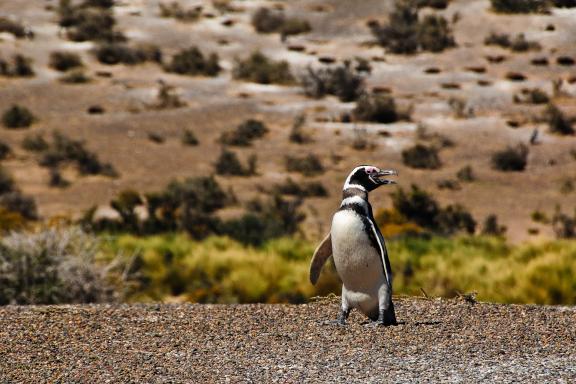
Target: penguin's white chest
357	261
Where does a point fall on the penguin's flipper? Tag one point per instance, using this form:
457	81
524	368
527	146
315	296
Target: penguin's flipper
321	254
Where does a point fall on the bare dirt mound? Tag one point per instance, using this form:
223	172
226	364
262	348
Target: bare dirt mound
436	341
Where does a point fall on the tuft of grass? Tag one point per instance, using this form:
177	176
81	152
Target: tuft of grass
119	53
5	150
75	77
343	81
265	20
519	6
466	174
174	10
20	66
229	164
35	142
558	122
380	108
189	138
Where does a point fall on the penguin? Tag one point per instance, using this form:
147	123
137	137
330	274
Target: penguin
359	251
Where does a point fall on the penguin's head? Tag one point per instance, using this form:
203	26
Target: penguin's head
368	177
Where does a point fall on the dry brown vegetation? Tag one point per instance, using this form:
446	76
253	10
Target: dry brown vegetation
113	109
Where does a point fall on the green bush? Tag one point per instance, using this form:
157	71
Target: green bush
52	267
118	53
17	117
558	122
309	165
245	133
379	108
511	159
519	6
342	81
258	68
421	156
192	62
63	61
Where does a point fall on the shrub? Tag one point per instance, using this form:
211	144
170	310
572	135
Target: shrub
274	218
75	77
86	22
421	157
64	149
259	69
342	81
297	133
379	108
563	225
35	142
17	117
192	62
455	218
245	133
21	67
54	266
532	96
436	4
167	97
519	6
117	53
558	122
518	44
56	179
309	165
175	10
564	3
419	207
448	184
229	164
266	21
189	138
6	182
434	34
4	150
301	189
466	174
406	34
511	159
156	137
63	61
13	27
15	201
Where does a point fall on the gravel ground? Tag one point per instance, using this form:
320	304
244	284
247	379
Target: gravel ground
437	341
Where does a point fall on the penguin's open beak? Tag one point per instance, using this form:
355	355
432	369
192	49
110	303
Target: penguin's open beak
383	173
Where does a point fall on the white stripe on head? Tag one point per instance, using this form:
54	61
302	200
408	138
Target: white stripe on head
347	183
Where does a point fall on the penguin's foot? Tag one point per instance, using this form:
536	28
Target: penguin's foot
335	322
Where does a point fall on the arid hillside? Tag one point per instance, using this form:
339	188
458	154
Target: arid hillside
500	80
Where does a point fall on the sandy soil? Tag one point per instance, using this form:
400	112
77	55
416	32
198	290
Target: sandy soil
436	341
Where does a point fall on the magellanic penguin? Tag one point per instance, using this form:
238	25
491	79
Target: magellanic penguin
359	250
